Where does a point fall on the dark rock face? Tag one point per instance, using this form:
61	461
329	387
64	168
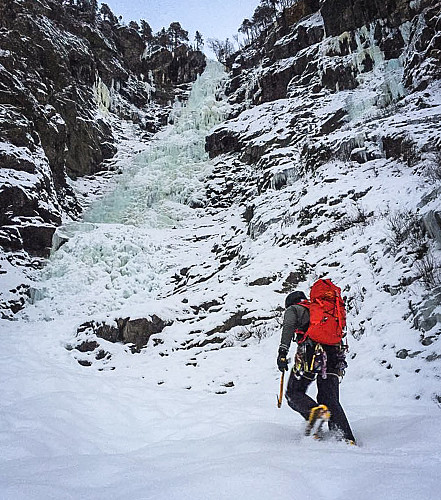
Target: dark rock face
37	239
424	63
348	15
319	47
290	57
281	62
222	141
136	332
181	67
292	15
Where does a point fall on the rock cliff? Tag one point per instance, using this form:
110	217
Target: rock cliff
369	59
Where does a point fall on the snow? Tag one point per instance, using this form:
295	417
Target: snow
71	433
185	421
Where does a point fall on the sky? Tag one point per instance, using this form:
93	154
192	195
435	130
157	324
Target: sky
212	18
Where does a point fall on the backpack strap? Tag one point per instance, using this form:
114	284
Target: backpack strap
305	303
304	338
339	313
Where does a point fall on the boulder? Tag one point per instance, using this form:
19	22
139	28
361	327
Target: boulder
136	331
37	238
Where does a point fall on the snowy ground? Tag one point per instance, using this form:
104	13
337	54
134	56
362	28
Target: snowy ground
198	423
73	433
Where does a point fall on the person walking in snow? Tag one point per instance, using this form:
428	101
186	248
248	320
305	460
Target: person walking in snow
314	361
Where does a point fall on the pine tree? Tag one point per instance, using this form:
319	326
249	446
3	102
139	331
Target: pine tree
108	14
146	31
199	40
163	39
177	34
134	25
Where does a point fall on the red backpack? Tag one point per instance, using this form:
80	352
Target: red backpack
327	313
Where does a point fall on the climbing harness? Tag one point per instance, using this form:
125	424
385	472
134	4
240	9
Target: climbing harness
319	361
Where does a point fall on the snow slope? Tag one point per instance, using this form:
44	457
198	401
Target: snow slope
183	420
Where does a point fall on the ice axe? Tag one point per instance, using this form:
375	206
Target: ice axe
282	379
279	399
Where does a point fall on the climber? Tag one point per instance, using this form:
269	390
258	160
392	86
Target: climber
313	360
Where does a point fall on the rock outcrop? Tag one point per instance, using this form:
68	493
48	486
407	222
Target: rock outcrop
294	52
315	51
133	331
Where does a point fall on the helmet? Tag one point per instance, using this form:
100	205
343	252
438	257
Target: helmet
294	298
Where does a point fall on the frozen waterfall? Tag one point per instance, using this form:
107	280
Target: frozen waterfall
167	176
120	254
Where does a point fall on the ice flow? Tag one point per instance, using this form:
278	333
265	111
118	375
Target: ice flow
169	174
120	253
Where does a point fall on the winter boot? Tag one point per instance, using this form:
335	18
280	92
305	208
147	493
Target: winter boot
317	417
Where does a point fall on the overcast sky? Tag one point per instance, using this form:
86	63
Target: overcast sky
212	18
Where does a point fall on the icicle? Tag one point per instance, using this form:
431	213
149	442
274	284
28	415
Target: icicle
102	95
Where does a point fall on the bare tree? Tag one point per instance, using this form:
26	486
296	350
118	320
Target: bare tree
222	49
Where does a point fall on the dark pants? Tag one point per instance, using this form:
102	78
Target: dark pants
328	394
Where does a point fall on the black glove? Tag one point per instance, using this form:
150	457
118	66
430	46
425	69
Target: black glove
282	362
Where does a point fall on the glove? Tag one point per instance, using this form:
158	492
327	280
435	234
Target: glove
282	362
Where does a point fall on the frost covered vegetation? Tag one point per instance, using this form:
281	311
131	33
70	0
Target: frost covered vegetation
144	364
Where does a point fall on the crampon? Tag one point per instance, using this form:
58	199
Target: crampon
317	417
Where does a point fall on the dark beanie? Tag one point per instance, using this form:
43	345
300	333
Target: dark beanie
294	298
